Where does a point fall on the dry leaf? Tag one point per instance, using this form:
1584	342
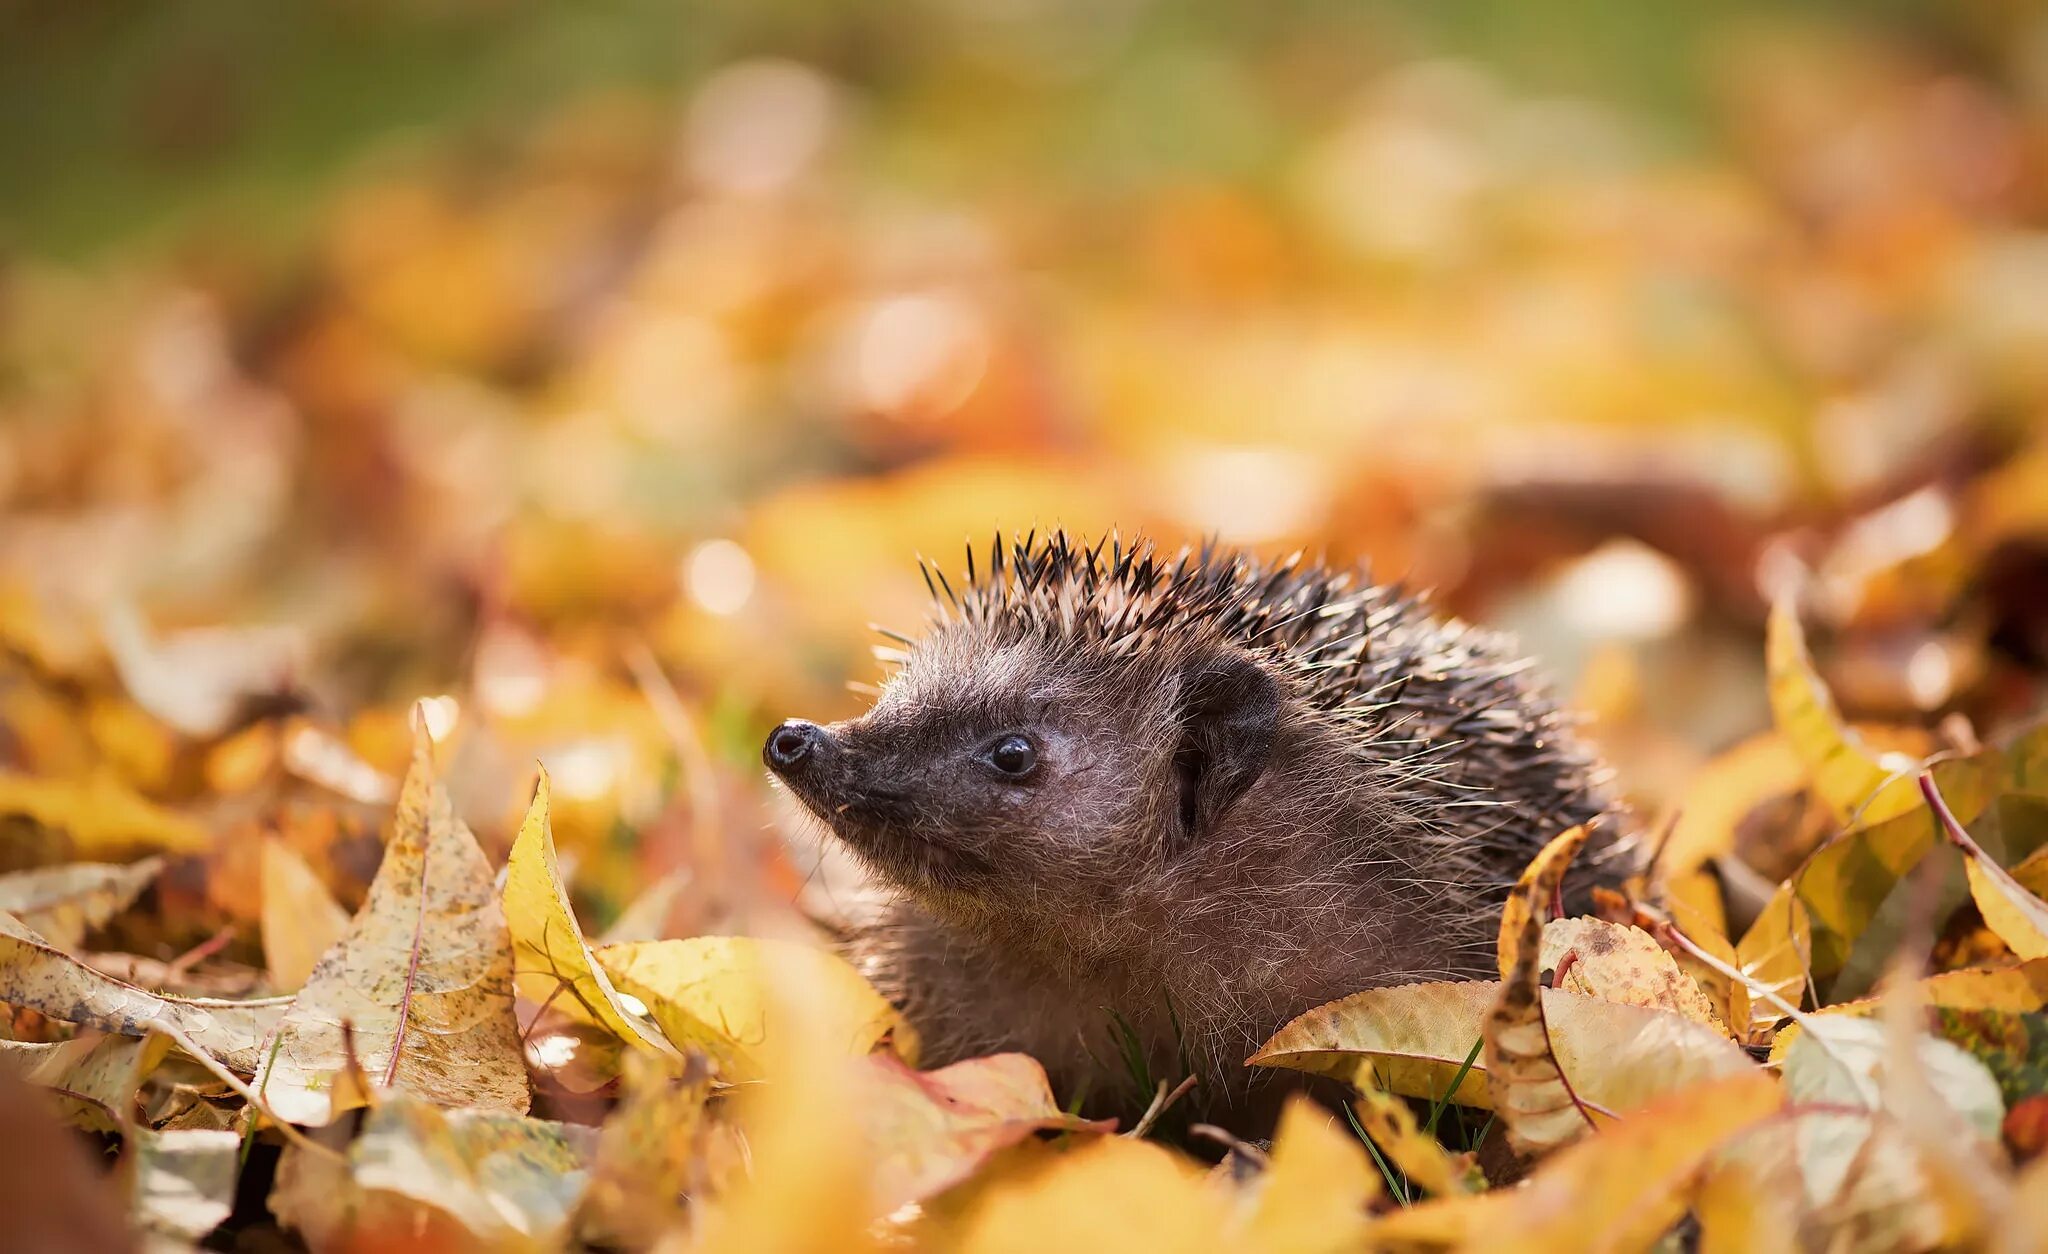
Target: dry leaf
100	813
649	1152
500	1178
1313	1194
2019	918
1619	963
2020	989
63	903
424	974
37	976
719	994
1845	773
552	963
106	1071
301	920
199	681
1415	1037
183	1181
1538	1107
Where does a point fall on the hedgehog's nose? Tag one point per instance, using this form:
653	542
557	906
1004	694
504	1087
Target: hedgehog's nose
790	744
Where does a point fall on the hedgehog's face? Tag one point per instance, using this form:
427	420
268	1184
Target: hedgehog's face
1001	775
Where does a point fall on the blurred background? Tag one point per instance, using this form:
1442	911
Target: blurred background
599	370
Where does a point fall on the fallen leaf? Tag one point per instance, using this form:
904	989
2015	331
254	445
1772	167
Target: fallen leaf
718	995
1104	1193
35	975
63	903
2019	989
1845	773
648	1156
1420	1156
1539	1109
928	1130
301	920
104	1070
2018	917
1416	1037
1314	1192
424	974
100	813
200	680
501	1178
1617	1190
1620	963
183	1182
552	963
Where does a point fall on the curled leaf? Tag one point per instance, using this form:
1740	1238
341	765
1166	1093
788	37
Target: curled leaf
1845	773
1420	1156
2018	917
1313	1193
1619	963
1538	1107
552	963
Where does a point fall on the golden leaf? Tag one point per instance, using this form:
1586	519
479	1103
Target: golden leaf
1844	772
1105	1193
62	903
719	995
424	974
648	1152
552	963
1420	1156
2019	918
1314	1192
301	920
101	813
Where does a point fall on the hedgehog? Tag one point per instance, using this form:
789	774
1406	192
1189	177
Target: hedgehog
1138	812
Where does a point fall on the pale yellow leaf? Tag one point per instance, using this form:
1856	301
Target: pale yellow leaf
2015	915
1616	962
301	920
63	903
552	963
104	1070
1415	1037
424	973
37	976
183	1180
1104	1193
2020	989
719	995
1844	772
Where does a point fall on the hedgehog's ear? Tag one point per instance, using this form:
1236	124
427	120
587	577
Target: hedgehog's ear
1229	710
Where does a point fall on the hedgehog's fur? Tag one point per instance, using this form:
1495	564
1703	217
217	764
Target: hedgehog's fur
1261	786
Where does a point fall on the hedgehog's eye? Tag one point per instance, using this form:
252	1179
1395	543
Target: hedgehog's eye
1013	757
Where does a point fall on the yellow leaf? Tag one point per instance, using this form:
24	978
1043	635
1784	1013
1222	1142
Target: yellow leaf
301	920
1538	1107
2019	918
424	974
719	995
1721	794
62	903
1845	773
1314	1193
1106	1193
100	813
552	962
1420	1156
37	976
1615	962
1415	1037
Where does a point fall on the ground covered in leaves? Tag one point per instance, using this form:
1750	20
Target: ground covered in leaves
391	609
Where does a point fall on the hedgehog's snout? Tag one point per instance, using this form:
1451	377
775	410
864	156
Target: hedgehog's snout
793	746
